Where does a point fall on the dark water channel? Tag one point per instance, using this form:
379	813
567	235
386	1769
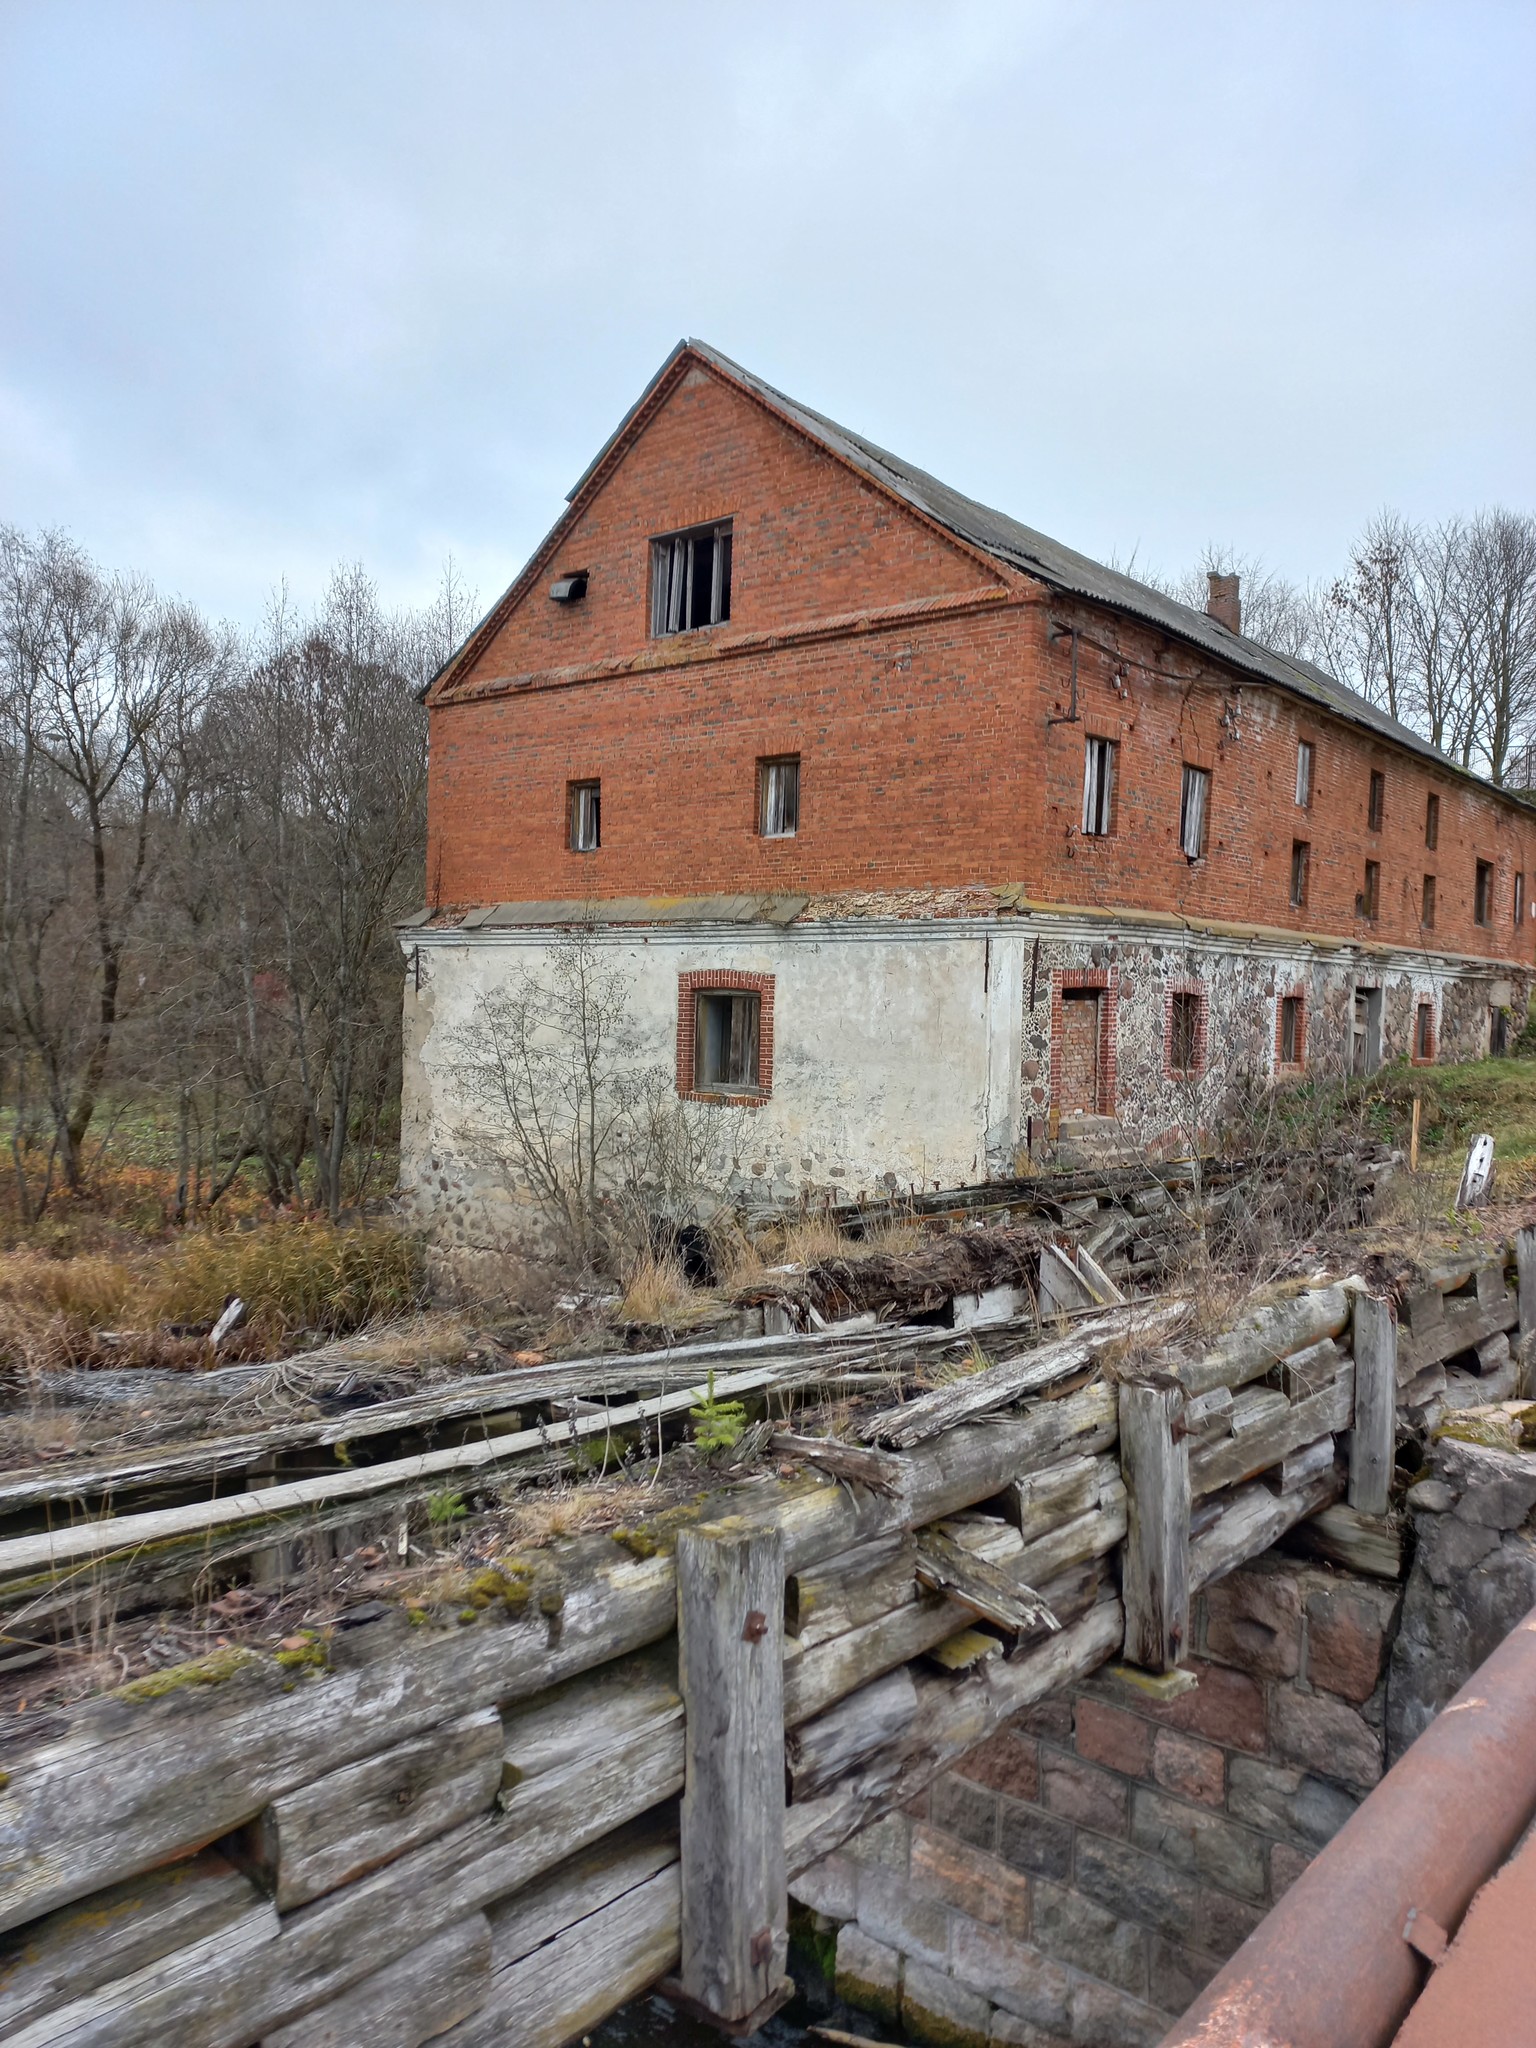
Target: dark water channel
652	2023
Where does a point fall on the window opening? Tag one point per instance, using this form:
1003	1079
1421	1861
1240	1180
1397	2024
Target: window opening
725	1040
1432	822
1304	774
691	579
1427	908
1482	898
1098	786
1370	895
1519	899
585	817
778	797
1184	1033
1290	1031
1424	1033
1301	862
1378	804
1194	801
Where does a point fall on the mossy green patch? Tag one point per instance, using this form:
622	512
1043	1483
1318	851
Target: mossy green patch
213	1669
658	1535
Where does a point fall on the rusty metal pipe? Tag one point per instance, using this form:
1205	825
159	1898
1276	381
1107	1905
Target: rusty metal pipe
1329	1965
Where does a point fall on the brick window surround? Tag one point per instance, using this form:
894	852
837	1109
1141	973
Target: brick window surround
1202	1030
706	980
1426	1057
1283	1065
1104	981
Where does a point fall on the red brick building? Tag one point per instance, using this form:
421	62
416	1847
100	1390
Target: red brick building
912	831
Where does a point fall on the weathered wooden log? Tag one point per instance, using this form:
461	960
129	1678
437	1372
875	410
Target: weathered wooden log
588	1969
1464	1322
68	1954
1364	1543
1039	1502
1088	1535
730	1627
953	1717
856	1463
1207	1418
1373	1435
998	1386
408	2002
1251	1520
1265	1336
945	1567
1525	1269
125	1787
56	1549
1299	1467
366	1814
1309	1371
857	1727
1155	1577
1301	1422
847	1591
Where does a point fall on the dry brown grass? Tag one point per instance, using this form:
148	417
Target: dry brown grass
813	1240
658	1291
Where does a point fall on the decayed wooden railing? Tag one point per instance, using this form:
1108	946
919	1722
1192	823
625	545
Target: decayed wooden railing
478	1829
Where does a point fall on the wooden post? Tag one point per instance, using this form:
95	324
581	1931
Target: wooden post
1155	1467
735	1911
1525	1267
1373	1440
1413	1137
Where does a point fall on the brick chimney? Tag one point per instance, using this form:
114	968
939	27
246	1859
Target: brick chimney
1225	603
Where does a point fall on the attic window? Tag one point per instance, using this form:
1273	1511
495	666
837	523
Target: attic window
691	579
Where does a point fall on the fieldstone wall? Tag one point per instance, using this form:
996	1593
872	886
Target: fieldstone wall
1086	1872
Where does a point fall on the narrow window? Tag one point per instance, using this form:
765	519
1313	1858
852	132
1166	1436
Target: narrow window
1098	786
725	1041
1291	1040
1377	809
585	816
1304	774
1301	862
778	797
1432	822
1424	1032
1482	897
691	579
1427	907
1519	899
1184	1033
1370	895
1193	804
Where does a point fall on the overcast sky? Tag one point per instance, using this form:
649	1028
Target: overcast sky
286	284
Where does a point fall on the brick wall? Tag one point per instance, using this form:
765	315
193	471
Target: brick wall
1085	1872
928	753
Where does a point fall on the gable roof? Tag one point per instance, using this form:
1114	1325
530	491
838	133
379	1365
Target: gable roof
1015	545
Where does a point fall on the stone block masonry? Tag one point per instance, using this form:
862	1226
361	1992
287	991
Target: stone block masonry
1085	1872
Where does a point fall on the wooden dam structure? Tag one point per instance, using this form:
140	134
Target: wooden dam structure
598	1767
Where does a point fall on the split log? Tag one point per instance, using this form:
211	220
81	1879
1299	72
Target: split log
70	1953
1465	1321
408	2002
1373	1437
125	1787
1255	1406
998	1386
861	1466
845	1592
1041	1502
366	1814
1088	1535
1208	1417
730	1623
943	1566
1308	1372
1250	1521
1266	1336
1301	1422
1298	1468
1155	1576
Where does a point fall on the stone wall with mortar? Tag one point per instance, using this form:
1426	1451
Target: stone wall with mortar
1086	1872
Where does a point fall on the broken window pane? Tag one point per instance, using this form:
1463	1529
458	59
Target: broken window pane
778	797
585	817
725	1040
1304	774
1098	786
1192	809
691	579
